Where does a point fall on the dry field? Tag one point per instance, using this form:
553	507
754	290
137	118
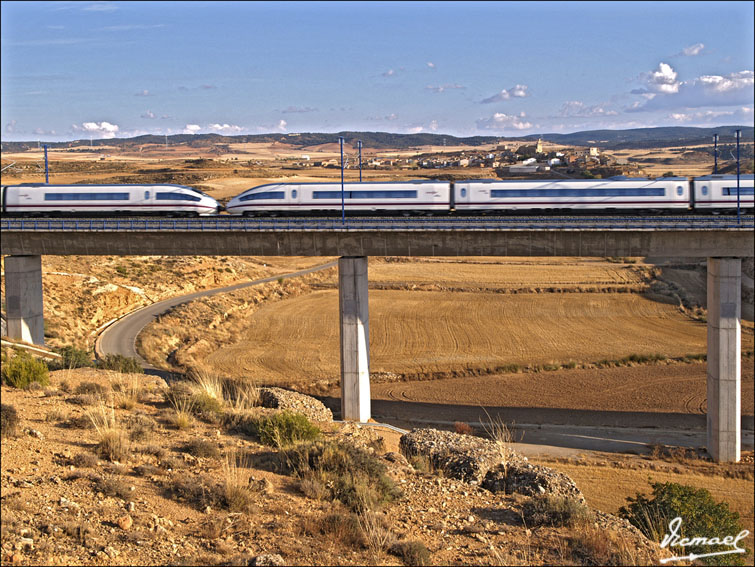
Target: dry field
420	334
522	274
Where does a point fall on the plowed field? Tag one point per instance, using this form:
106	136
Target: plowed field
421	334
511	273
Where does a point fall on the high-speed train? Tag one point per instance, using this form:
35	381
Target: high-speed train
711	193
44	199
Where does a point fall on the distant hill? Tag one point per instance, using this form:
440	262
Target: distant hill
606	139
639	138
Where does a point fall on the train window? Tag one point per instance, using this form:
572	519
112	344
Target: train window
86	196
680	190
146	195
266	195
705	190
732	191
293	193
401	194
176	197
599	192
463	192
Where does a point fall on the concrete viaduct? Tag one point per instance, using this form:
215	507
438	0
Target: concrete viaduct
723	248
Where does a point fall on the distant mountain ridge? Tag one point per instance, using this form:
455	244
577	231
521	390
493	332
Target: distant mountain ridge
636	138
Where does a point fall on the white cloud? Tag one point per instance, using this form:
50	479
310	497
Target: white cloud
415	130
663	79
282	125
100	7
298	109
517	91
431	64
577	108
734	82
743	113
442	88
693	50
708	90
224	128
501	121
149	114
192	129
42	132
392	116
132	27
10	127
103	129
434	125
389	73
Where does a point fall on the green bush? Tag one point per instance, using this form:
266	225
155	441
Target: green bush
344	472
23	369
284	429
120	363
72	358
701	517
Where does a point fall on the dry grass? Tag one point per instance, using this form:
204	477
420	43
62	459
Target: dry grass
113	441
377	534
497	430
183	416
127	390
239	489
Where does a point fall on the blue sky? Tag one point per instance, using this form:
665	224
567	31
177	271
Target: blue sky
79	70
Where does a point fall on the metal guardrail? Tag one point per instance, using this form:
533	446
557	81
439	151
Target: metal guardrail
225	224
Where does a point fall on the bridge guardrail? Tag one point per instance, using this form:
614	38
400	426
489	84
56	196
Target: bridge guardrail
360	224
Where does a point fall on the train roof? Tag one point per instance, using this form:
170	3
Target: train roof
336	182
726	177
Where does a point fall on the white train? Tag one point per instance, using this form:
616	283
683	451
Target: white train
367	197
715	192
44	199
712	193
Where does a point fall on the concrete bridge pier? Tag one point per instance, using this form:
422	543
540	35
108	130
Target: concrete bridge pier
355	338
23	298
724	360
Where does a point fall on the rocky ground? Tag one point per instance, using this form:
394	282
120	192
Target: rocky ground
461	499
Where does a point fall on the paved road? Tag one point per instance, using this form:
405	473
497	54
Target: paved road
120	337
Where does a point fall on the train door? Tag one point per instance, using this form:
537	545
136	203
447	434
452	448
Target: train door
146	200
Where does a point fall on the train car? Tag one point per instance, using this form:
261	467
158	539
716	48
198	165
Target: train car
616	194
57	200
715	193
404	197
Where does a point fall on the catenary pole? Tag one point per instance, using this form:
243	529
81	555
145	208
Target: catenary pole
343	197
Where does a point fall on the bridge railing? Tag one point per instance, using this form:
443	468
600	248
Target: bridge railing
216	224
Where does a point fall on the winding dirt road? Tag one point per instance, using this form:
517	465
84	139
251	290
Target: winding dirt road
120	337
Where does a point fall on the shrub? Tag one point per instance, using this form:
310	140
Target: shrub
552	510
201	448
23	369
463	428
72	358
347	473
85	460
92	388
701	516
284	429
8	421
120	363
411	552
